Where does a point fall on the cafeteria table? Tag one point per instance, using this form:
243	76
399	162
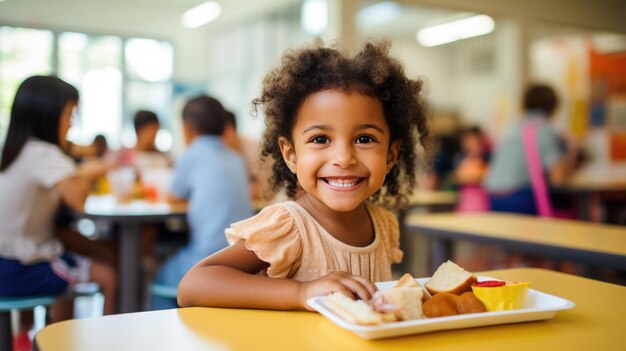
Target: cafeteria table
593	188
596	321
601	245
130	217
432	199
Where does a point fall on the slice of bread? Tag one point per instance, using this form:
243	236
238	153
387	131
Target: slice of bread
407	281
358	312
450	278
409	300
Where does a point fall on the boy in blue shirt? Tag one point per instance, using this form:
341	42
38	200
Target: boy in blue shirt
212	179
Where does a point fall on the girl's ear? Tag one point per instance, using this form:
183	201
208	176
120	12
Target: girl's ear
392	155
288	152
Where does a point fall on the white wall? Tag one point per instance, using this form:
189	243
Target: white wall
490	98
433	67
241	56
486	98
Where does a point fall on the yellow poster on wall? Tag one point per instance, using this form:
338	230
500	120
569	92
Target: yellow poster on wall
578	118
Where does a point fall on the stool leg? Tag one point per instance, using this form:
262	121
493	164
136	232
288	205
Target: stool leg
6	337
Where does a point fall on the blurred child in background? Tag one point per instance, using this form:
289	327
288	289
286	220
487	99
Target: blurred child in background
471	170
212	179
35	176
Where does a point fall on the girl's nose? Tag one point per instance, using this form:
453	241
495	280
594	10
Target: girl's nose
343	156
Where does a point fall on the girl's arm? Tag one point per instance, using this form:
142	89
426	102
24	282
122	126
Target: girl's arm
228	279
74	190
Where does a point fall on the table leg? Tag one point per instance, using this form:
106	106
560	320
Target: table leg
129	267
6	339
585	206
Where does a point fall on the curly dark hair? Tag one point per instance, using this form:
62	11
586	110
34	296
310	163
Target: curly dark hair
371	72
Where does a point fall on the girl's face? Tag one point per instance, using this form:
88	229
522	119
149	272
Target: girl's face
472	144
341	148
65	123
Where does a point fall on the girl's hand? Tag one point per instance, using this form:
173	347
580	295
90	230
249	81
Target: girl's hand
350	285
93	169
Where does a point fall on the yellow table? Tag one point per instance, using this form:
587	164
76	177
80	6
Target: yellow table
590	243
596	321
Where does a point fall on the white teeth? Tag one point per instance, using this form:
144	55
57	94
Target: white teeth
343	183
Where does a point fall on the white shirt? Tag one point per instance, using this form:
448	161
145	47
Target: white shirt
29	201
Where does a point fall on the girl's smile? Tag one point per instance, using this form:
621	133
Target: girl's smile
343	183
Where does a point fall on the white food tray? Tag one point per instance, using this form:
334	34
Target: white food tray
539	306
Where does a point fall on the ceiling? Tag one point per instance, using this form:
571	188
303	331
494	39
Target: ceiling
604	14
101	15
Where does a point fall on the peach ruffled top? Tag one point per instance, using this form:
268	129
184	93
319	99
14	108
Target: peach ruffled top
296	246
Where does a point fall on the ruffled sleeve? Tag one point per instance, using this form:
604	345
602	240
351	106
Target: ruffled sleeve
273	236
390	230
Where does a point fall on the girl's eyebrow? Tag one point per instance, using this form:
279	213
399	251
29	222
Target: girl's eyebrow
316	126
367	126
360	127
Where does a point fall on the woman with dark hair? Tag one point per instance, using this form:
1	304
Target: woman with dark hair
35	176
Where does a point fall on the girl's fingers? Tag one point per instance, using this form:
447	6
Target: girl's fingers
371	287
358	289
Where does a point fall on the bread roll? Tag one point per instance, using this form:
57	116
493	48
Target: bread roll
450	278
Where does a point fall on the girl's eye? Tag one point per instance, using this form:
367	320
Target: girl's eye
319	140
365	139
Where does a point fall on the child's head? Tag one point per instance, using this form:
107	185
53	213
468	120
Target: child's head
473	142
540	98
100	145
309	76
203	115
146	127
42	109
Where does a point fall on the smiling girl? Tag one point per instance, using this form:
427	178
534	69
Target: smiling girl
342	133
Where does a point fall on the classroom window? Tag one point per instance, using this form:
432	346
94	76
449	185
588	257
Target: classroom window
115	76
23	52
92	64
